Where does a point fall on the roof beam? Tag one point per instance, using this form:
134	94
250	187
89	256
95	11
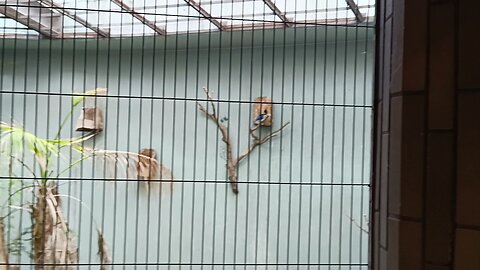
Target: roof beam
354	7
33	15
205	14
76	18
140	17
277	12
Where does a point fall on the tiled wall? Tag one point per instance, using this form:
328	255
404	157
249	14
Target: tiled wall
427	152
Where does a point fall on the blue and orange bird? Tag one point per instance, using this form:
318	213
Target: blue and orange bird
262	117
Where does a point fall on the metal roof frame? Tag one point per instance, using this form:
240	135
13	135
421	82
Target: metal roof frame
140	17
278	12
205	14
35	16
46	17
65	12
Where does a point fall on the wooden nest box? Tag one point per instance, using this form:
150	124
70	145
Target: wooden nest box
90	120
147	168
263	113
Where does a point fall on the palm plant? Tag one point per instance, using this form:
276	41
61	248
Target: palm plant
52	240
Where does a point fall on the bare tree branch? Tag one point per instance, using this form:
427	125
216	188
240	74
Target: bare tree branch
257	142
274	133
103	252
232	176
232	163
357	224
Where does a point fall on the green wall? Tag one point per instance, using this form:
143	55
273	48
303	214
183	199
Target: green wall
318	170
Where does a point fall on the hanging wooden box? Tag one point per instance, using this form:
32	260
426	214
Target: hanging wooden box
263	105
147	168
90	120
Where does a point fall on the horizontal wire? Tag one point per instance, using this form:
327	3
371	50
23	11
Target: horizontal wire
188	16
190	264
186	99
188	180
308	11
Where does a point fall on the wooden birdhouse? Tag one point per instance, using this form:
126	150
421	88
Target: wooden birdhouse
147	167
263	112
90	120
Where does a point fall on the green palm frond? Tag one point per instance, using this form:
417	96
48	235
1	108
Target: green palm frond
14	140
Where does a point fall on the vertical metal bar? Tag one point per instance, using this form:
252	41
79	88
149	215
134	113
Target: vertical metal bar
197	175
141	128
261	161
117	133
72	186
184	121
332	148
342	160
84	84
281	159
162	133
364	139
106	132
150	144
128	176
322	153
312	146
204	225
229	124
303	139
352	163
248	161
292	118
14	74
36	123
6	226
174	110
215	164
269	186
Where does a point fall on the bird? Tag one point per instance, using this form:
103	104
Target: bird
262	117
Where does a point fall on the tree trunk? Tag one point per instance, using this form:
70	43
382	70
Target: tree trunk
3	248
39	228
52	240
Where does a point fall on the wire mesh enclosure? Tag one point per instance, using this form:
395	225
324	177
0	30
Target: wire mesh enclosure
168	134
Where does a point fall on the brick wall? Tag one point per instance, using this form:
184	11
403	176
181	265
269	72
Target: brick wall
426	189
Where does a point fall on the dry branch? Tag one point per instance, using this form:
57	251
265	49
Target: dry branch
357	224
103	252
120	164
232	164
